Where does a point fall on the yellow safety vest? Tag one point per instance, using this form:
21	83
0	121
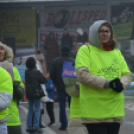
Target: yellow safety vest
75	108
95	103
14	119
6	86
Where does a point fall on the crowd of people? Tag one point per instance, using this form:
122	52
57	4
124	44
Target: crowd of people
52	49
102	75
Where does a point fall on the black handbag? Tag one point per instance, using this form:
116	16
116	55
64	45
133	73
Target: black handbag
18	92
38	90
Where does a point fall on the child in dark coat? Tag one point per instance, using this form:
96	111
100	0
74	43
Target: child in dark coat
50	88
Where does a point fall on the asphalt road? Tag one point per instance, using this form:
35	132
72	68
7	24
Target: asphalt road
126	128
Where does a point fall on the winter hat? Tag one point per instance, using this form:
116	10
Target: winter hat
94	29
65	49
79	44
79	30
30	63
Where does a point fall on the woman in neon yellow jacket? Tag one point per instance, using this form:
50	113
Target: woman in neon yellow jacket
6	94
13	122
103	75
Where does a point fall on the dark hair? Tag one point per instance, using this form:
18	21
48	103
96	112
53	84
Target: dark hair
30	63
38	51
65	50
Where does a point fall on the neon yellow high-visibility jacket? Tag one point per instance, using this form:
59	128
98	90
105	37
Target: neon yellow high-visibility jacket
6	93
14	119
75	108
106	103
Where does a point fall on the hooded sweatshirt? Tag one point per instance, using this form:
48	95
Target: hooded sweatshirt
94	66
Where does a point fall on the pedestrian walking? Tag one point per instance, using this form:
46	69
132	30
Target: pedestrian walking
56	76
50	87
6	91
40	67
103	75
33	79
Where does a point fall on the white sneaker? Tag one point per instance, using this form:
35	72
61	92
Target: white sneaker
53	125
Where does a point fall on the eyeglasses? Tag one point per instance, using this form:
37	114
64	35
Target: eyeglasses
106	31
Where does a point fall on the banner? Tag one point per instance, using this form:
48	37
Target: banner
55	19
20	24
122	21
71	17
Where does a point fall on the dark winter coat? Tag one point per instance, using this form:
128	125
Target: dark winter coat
51	48
33	79
56	72
82	38
67	40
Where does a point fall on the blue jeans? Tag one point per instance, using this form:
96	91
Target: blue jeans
62	103
33	108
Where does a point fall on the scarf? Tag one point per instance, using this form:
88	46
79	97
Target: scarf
108	46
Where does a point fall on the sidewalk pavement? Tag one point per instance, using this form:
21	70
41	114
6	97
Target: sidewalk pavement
45	120
129	104
129	107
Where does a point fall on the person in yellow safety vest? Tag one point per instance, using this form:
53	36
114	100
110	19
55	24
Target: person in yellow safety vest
6	94
75	124
103	75
13	122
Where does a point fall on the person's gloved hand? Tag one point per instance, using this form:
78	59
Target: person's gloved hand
115	84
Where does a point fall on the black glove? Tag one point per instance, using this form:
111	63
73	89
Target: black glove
116	85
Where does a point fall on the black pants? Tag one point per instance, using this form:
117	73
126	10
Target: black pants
50	111
62	96
103	128
14	129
